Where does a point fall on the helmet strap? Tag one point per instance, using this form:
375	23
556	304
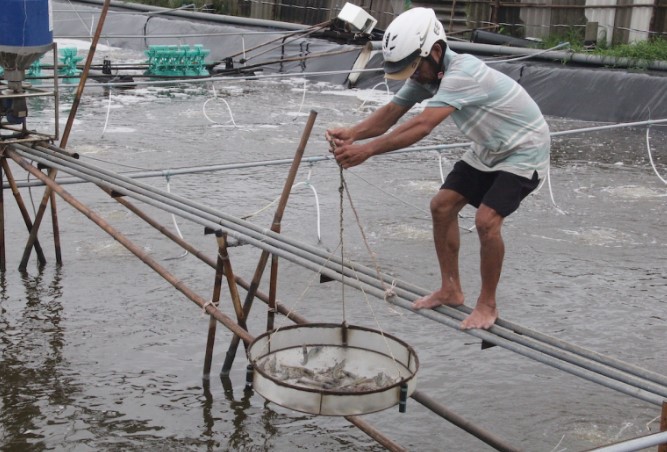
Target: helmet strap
437	65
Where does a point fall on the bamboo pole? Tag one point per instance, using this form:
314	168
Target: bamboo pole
375	434
273	289
212	323
275	227
22	208
264	239
209	308
198	253
134	249
56	229
32	238
477	432
229	274
63	142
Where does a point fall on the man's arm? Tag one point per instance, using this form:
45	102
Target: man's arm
374	125
408	133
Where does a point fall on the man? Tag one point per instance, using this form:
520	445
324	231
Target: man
508	157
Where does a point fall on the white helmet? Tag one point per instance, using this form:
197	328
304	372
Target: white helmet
408	38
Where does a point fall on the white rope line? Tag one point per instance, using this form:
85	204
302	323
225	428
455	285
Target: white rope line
551	192
650	156
383	82
229	109
173	219
303	98
306	183
106	120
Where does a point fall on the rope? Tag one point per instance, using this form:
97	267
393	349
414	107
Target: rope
650	157
341	230
215	97
106	120
388	292
208	303
317	206
303	98
173	219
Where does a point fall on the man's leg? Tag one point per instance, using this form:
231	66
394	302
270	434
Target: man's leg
445	207
492	251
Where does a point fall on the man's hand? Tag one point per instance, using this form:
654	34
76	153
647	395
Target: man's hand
341	145
338	137
349	155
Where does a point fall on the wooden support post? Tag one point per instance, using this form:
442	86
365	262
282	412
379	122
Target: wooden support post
22	209
37	223
663	425
231	282
275	227
136	250
273	289
212	323
56	230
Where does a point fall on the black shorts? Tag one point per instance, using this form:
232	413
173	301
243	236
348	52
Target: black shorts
500	190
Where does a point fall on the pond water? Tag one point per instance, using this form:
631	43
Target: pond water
102	354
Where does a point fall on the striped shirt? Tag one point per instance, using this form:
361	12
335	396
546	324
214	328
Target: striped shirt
504	123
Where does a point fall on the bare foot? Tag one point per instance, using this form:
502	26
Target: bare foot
482	316
438	298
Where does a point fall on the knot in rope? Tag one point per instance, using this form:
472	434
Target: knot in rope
390	292
207	304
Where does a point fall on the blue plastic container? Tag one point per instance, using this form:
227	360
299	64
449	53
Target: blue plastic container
25	24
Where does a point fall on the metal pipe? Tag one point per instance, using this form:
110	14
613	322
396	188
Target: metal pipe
198	253
311	160
553	55
357	269
137	251
297	256
212	310
219	18
540	357
245	231
635	444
